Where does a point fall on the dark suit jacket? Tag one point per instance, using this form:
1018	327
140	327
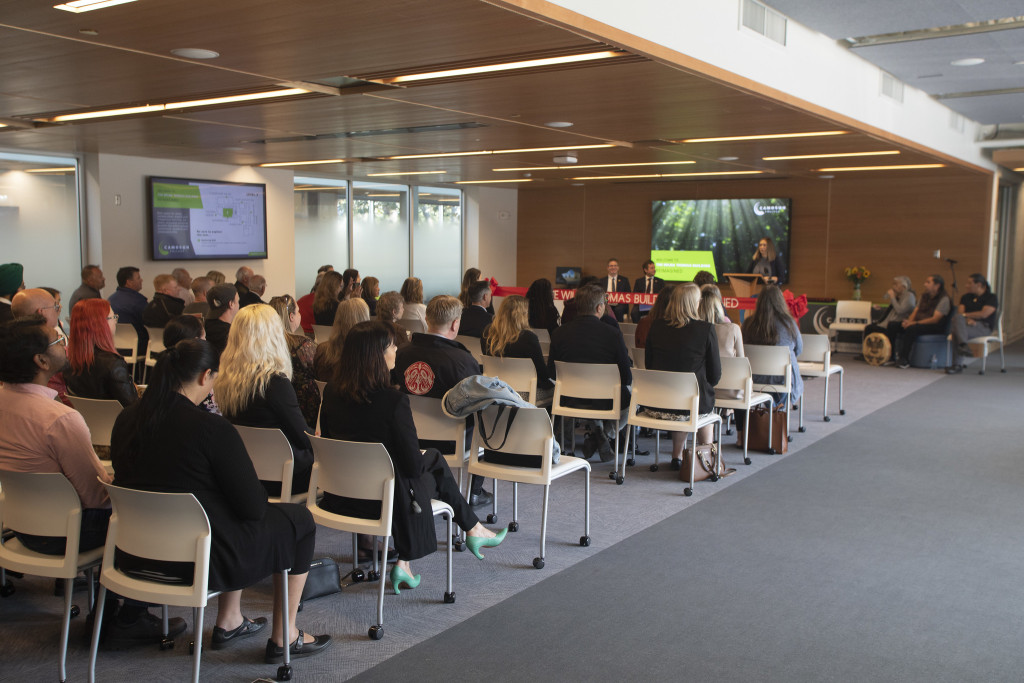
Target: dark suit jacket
691	348
641	286
474	320
621	285
588	340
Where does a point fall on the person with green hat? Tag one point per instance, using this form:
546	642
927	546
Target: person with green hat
12	281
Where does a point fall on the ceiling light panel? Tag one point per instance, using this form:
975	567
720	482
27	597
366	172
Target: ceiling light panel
79	6
502	66
904	167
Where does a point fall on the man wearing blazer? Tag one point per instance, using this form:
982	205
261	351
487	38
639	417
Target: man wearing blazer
616	283
646	284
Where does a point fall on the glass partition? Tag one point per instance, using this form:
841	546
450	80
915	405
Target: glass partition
437	240
321	228
380	232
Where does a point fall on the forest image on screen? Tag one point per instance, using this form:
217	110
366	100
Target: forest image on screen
717	235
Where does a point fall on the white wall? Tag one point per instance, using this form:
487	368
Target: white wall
491	226
116	197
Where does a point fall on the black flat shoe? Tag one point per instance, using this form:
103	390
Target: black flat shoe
676	465
248	627
480	499
298	649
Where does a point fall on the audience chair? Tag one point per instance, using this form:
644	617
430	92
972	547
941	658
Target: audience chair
851	316
273	459
816	361
671	391
524	457
995	338
46	505
772	361
542	334
589	381
127	339
432	424
629	340
322	333
364	471
155	346
627	328
518	373
99	416
639	357
545	348
412	325
321	386
736	376
472	344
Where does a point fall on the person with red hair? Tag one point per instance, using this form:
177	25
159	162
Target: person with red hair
95	368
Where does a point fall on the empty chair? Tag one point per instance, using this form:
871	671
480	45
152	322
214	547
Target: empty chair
630	341
816	361
772	361
126	340
99	416
155	346
851	316
472	344
273	459
736	377
322	333
666	390
524	457
46	505
595	381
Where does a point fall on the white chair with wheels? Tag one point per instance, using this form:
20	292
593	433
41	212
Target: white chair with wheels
364	471
660	389
589	381
127	339
522	455
736	377
639	357
995	338
627	328
46	505
543	335
433	425
99	416
772	361
472	345
273	459
322	333
321	386
412	325
518	373
816	361
155	346
851	316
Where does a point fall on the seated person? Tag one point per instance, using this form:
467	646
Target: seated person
475	317
928	317
350	312
902	300
543	312
165	303
327	297
509	337
96	369
975	317
302	350
224	307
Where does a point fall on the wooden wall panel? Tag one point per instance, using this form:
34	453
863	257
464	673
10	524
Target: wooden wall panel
892	226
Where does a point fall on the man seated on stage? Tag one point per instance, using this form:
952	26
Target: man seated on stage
616	283
39	434
975	317
475	318
648	284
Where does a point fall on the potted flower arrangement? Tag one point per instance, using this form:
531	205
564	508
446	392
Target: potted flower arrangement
857	275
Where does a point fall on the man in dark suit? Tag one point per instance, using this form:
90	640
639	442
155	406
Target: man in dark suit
588	340
617	283
648	284
475	318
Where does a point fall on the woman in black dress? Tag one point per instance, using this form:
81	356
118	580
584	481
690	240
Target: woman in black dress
543	315
682	342
361	405
254	388
166	443
508	337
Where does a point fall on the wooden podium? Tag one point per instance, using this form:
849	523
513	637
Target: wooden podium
744	284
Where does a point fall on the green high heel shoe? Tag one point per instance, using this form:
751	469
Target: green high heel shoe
474	543
400	576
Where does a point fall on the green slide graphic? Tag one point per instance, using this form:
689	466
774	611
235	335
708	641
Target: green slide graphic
174	196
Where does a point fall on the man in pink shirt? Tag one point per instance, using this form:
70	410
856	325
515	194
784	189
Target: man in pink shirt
40	434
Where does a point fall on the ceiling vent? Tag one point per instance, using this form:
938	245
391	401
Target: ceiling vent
764	20
892	87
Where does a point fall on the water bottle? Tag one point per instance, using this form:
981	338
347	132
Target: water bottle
934	362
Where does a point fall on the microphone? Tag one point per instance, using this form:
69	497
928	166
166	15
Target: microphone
951	261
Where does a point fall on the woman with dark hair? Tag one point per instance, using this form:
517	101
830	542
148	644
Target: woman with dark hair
412	294
680	341
303	350
328	295
657	313
166	443
390	309
469	278
928	317
370	292
508	336
361	405
767	262
96	369
542	312
350	285
183	327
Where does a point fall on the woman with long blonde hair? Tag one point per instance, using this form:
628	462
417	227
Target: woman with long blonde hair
711	310
302	350
509	336
682	342
254	386
350	313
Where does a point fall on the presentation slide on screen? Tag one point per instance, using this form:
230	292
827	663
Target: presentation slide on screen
682	266
193	219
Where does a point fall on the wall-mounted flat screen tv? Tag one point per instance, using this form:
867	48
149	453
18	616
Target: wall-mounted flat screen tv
207	219
717	235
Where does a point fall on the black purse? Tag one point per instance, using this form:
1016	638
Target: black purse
323	579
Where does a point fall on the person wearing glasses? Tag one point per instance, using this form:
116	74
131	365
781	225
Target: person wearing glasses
95	368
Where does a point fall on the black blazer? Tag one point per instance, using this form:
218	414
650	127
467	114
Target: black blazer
107	378
691	348
161	308
588	340
775	268
474	320
621	285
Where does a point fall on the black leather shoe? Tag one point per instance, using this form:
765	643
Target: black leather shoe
248	627
588	447
364	556
481	499
676	465
147	629
298	649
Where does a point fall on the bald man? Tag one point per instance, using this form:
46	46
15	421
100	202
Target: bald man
31	301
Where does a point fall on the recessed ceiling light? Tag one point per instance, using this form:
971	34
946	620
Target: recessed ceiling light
194	53
79	6
553	168
728	158
484	152
967	61
881	168
667	175
773	136
833	155
302	163
151	108
577	184
505	66
559	124
489	182
375	175
826	177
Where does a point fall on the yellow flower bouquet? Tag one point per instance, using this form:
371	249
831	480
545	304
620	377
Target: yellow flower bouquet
857	274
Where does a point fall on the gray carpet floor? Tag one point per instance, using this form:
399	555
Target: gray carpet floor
880	548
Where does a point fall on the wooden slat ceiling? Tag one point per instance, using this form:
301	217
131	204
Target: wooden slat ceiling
637	105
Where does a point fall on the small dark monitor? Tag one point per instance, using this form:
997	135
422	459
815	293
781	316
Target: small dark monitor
568	276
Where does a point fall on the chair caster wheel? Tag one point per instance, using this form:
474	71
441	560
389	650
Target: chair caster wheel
631	462
449	598
1002	371
842	412
372	576
619	479
585	541
611	475
376	632
513	526
827	419
746	461
687	491
7	590
284	672
538	563
714	477
75	611
804	429
492	518
654	468
458	545
191	647
358	575
168	644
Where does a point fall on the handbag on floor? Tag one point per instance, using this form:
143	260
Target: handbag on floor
705	464
757	440
323	579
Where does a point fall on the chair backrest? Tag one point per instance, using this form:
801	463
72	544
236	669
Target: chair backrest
665	390
271	455
40	504
127	339
156	340
412	325
529	434
542	334
168	527
770	360
586	380
817	349
99	416
627	328
433	425
545	348
472	344
518	373
629	339
852	315
639	357
736	375
322	333
354	470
